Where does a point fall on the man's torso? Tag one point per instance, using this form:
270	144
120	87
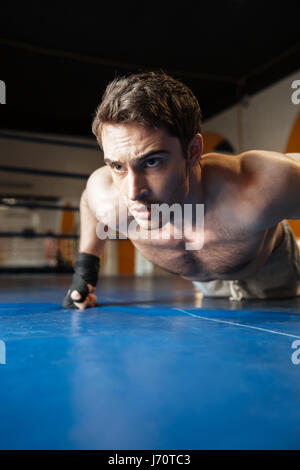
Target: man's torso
236	242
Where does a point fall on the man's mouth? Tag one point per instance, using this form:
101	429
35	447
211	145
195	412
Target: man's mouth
141	212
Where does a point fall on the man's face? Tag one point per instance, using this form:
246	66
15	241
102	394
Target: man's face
147	166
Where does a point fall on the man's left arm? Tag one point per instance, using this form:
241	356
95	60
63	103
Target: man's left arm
276	178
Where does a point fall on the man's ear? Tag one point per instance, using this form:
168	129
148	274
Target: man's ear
195	150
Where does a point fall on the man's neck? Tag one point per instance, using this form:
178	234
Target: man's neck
195	193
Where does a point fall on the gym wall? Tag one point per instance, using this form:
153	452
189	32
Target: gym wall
268	120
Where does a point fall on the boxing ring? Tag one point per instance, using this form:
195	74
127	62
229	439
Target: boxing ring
153	366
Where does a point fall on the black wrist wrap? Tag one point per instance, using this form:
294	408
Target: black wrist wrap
86	269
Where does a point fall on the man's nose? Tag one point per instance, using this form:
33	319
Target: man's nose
137	187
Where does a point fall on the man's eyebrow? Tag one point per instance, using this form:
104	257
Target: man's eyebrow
138	159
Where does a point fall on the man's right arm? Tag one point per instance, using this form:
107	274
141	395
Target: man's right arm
89	242
86	266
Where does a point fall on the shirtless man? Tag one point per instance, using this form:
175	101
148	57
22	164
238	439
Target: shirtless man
149	127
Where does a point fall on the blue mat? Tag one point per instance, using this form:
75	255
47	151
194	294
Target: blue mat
147	375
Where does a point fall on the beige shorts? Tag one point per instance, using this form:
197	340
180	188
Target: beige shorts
279	277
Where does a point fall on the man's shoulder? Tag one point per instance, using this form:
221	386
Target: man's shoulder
275	178
99	187
267	172
251	168
244	186
100	176
259	160
265	187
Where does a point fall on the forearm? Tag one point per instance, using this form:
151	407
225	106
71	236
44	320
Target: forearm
89	242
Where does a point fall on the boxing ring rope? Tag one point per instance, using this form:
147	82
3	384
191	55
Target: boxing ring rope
36	171
29	250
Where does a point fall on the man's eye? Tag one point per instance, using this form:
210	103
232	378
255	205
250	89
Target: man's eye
117	168
152	163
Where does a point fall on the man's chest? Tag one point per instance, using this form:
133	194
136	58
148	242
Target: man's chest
224	243
223	252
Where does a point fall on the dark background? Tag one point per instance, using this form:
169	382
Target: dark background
57	58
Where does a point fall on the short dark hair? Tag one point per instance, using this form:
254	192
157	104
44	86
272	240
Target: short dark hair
152	99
